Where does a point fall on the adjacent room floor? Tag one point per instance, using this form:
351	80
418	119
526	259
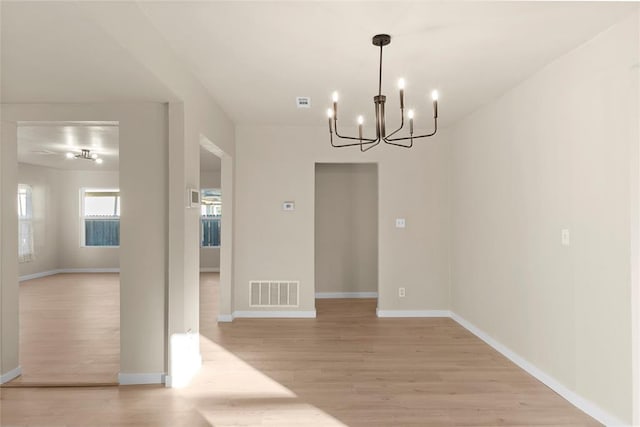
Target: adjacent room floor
70	329
345	368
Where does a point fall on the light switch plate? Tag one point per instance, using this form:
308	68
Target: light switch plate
400	223
565	237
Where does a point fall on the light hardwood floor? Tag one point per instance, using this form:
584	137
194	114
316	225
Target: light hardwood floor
345	368
70	329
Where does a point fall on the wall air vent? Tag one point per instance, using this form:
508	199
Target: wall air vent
273	293
303	102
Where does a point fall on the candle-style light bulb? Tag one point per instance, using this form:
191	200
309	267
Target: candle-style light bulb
335	105
99	161
334	96
434	96
410	114
329	112
69	155
94	156
401	84
360	122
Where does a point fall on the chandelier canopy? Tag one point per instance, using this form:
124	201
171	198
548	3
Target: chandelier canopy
85	155
365	144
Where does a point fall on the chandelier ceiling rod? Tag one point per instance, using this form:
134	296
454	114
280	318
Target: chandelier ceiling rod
379	100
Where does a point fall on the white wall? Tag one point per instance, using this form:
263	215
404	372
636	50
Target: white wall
57	221
346	228
45	195
210	257
143	244
551	154
277	164
9	356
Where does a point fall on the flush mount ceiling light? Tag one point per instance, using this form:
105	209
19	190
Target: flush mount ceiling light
85	155
378	101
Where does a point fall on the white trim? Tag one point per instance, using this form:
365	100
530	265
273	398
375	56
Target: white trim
68	270
210	270
574	398
323	295
225	318
134	379
90	270
12	374
274	314
413	313
38	275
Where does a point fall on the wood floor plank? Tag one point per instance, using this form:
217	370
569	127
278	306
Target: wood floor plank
345	368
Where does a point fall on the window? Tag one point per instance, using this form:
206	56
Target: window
210	212
101	217
25	223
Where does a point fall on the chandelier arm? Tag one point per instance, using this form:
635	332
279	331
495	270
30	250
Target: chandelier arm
435	122
369	147
368	140
351	144
397	130
400	145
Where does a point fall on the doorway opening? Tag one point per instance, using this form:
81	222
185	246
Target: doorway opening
68	250
346	235
210	235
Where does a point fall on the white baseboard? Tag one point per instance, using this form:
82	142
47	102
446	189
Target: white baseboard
575	399
225	318
323	295
413	313
12	374
68	270
38	275
274	314
137	379
210	270
90	270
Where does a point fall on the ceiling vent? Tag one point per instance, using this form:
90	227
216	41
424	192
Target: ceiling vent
303	102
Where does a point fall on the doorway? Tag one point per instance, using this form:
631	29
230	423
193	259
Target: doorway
68	251
346	230
210	236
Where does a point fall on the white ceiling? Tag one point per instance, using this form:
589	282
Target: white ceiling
46	143
53	52
256	57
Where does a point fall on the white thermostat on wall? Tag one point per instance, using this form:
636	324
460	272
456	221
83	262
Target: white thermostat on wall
194	197
288	206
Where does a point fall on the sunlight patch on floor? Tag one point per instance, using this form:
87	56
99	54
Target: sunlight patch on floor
229	392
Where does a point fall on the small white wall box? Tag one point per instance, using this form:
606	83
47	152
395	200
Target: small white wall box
288	206
194	197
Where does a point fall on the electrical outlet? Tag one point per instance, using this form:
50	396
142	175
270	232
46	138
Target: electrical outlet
401	292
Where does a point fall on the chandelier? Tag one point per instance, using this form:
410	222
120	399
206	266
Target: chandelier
379	101
85	155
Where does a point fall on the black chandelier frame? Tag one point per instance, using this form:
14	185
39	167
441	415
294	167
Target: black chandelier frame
379	100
